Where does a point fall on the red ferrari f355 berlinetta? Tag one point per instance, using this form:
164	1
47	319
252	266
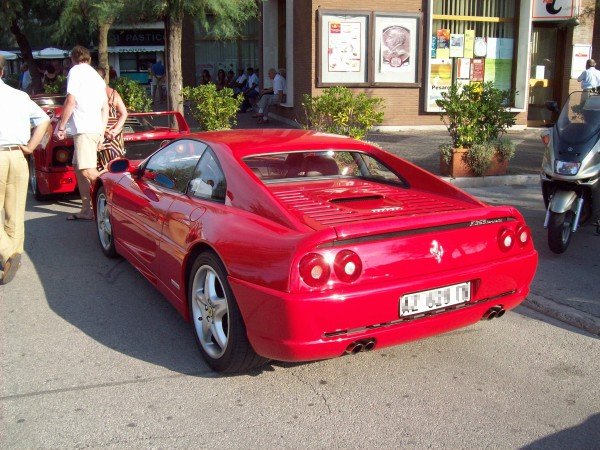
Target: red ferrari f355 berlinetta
295	245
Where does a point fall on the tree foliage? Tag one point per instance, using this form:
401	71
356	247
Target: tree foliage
224	17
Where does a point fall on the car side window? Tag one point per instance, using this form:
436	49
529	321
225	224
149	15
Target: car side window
208	181
173	166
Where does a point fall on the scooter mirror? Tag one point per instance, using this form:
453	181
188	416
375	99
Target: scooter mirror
552	106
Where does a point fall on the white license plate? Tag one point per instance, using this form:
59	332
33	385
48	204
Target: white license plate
426	301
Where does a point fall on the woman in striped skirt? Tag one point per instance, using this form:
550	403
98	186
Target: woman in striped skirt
113	146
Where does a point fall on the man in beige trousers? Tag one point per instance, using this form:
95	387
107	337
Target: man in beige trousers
17	116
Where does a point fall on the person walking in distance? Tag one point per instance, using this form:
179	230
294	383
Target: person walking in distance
16	140
590	77
86	111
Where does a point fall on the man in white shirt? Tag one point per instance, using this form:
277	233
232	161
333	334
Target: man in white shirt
590	77
240	82
271	96
86	112
17	116
251	91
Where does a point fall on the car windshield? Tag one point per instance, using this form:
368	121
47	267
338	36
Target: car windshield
278	167
141	149
144	123
580	117
49	100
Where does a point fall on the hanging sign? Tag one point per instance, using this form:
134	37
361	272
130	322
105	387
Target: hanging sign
553	9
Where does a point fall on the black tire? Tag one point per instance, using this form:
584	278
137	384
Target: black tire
216	320
559	231
104	226
33	185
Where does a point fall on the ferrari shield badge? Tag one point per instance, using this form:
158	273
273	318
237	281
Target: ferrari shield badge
437	251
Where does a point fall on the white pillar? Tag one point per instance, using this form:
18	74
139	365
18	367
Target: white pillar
289	51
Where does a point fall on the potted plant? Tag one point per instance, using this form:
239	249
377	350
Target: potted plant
476	116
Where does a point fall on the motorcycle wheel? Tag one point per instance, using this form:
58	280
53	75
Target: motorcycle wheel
559	231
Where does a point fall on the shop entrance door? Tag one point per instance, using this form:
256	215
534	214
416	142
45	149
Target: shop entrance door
545	78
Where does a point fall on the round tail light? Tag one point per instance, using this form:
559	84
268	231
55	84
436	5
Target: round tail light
62	155
523	235
506	239
347	266
314	271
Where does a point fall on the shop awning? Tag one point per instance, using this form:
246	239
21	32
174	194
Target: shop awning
51	53
137	49
8	55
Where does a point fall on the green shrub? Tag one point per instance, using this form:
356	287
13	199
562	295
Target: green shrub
446	152
479	157
475	113
212	109
506	148
58	86
134	95
337	110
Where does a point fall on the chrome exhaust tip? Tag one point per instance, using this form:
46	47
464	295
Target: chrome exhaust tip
370	345
493	312
354	348
500	313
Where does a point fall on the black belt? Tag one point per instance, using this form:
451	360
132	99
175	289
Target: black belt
9	148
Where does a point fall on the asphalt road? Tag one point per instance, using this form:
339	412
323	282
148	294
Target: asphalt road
93	356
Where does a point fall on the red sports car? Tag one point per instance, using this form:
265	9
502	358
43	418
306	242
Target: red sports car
294	245
50	169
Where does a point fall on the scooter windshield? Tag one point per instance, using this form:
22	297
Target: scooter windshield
580	117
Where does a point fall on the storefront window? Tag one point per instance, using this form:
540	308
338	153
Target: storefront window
470	42
213	54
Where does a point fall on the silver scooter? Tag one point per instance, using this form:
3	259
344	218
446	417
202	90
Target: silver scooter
571	168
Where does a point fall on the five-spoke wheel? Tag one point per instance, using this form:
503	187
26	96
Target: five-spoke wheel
216	319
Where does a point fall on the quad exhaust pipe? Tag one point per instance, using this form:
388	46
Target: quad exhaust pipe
495	312
364	345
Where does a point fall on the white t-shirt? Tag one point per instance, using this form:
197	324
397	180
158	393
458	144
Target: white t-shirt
278	84
241	79
19	115
89	91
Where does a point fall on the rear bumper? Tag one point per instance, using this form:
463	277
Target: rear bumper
303	327
63	182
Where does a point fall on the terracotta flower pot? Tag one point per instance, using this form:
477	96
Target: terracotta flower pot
458	166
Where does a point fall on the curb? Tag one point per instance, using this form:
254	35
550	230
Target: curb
503	180
564	313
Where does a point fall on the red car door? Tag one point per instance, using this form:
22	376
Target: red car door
205	192
140	211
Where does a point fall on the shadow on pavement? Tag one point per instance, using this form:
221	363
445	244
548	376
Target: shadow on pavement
578	436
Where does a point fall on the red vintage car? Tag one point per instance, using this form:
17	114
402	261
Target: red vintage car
50	169
294	245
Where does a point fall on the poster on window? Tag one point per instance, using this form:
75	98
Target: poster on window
439	81
396	48
343	48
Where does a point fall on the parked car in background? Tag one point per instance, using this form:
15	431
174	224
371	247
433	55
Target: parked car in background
294	245
50	169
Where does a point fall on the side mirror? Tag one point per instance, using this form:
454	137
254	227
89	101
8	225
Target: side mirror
118	165
552	106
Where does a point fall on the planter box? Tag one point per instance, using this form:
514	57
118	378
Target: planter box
458	165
